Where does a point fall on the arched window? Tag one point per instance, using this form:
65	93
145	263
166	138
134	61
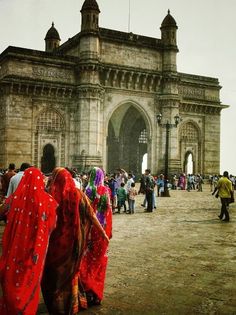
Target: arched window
50	121
189	133
49	136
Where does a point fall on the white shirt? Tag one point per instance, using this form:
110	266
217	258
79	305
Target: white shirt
14	182
129	182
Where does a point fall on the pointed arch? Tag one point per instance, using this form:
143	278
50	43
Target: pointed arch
49	140
190	147
128	131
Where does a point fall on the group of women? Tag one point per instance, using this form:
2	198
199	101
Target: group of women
55	241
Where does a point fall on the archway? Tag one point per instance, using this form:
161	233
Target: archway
50	129
190	148
189	163
144	163
127	140
48	161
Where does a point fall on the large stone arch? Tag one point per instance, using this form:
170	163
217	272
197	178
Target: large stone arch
128	133
190	138
49	136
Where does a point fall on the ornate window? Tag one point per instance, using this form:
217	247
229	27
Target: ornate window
189	133
50	129
143	136
50	121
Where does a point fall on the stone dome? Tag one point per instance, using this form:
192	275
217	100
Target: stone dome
52	33
168	21
90	5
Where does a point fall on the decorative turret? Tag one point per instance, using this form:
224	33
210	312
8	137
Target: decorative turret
168	37
90	14
168	30
52	39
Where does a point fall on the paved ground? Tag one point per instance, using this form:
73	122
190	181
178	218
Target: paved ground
179	260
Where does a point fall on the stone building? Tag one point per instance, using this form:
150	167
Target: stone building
94	99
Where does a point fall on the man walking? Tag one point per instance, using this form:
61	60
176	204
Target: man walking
224	187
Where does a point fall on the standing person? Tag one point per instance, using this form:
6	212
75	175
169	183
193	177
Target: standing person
94	262
61	283
142	189
199	182
15	180
121	197
31	217
112	186
189	182
182	181
224	187
132	195
150	184
128	187
5	179
160	184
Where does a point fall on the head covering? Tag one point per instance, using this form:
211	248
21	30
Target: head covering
30	219
96	179
63	189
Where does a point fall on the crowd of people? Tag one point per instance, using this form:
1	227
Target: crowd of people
58	229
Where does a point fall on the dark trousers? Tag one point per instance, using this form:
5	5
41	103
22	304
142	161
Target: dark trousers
224	208
149	200
120	204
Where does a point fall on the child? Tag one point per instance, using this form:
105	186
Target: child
132	194
121	197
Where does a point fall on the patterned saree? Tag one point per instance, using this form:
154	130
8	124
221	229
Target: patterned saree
94	262
31	217
61	285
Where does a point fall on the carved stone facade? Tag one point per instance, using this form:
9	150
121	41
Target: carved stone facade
94	100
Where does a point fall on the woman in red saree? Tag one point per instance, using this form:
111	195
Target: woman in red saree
61	285
31	216
94	262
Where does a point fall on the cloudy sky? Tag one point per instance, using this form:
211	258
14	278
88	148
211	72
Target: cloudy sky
206	39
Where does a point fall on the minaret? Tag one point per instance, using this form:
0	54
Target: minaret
52	39
90	139
169	100
168	37
89	39
90	14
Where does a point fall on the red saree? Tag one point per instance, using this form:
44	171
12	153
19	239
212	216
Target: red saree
61	287
31	217
94	262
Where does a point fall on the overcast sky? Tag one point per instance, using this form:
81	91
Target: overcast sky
206	39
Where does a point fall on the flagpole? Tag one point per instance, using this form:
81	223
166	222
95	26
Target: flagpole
129	18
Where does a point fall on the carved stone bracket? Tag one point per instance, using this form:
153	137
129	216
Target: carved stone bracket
37	88
90	91
200	108
131	79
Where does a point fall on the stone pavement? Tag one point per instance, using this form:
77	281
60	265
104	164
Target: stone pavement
178	260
